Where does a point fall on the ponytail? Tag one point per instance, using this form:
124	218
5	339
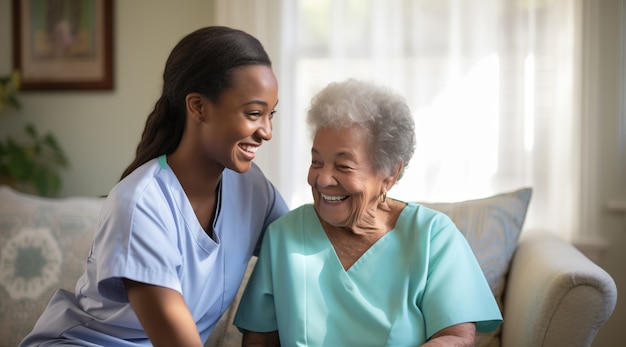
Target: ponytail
161	135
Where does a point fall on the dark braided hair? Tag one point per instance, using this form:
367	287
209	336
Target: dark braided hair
201	62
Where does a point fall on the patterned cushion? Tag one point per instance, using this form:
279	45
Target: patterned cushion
43	246
492	227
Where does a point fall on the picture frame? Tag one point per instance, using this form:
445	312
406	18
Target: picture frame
63	45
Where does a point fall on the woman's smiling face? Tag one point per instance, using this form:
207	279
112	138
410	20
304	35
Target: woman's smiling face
241	120
344	183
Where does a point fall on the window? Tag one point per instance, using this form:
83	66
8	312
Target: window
493	85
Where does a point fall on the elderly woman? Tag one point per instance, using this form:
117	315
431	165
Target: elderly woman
356	267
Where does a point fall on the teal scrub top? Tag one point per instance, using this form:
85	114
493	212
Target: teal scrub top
419	278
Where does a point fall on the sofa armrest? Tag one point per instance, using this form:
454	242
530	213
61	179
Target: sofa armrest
554	296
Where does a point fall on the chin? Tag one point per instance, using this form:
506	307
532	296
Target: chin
241	167
331	218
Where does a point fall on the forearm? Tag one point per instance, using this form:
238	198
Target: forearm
259	339
449	341
460	335
163	314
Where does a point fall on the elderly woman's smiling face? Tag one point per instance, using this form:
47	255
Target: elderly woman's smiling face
346	187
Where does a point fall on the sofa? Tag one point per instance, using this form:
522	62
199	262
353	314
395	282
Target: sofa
550	293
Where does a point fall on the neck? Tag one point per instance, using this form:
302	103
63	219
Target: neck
377	220
197	177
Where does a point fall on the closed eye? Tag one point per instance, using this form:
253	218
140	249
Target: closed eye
258	114
344	167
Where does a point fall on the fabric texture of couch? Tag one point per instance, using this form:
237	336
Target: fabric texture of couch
550	293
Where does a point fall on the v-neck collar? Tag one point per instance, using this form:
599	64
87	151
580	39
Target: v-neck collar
369	253
362	259
187	210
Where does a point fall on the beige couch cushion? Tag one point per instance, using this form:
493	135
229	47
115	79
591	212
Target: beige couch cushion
43	244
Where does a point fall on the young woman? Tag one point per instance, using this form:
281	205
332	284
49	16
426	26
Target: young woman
178	230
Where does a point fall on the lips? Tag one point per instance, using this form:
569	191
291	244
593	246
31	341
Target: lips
248	151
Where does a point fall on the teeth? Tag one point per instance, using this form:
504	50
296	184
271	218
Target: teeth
333	198
251	149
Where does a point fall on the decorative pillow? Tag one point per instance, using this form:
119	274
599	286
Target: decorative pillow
43	246
492	227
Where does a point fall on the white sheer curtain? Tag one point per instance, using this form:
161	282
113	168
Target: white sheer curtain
493	85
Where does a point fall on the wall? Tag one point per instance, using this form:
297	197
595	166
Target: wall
100	130
604	134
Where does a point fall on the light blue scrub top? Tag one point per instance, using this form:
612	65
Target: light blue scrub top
417	279
149	233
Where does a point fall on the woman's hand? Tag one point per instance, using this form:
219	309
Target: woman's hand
163	314
461	335
256	339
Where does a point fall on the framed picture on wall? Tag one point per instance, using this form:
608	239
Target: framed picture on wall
63	44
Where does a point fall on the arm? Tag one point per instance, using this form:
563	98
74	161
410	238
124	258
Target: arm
257	339
456	335
163	314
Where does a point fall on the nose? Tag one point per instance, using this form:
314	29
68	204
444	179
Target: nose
265	129
325	177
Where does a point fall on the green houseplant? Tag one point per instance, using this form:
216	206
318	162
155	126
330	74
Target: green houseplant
33	161
8	90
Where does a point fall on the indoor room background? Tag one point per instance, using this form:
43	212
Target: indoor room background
506	94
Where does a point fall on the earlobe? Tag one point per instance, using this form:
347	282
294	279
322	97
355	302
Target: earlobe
391	180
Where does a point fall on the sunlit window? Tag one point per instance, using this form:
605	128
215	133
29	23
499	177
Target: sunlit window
492	85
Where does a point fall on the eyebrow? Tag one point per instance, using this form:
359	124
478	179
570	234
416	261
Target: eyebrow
258	102
255	102
345	154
